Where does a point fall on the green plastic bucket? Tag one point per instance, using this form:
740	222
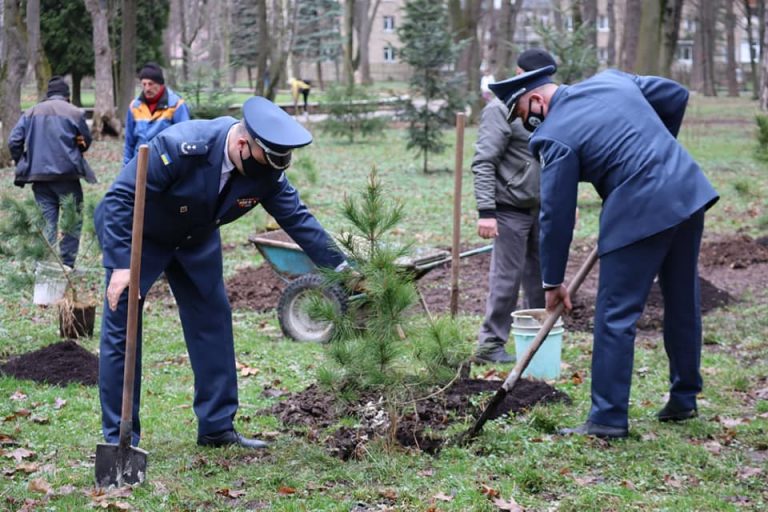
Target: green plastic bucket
546	363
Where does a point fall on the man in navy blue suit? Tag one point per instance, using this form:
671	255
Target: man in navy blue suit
202	174
618	132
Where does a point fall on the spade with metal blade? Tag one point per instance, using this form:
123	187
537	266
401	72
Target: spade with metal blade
524	361
122	464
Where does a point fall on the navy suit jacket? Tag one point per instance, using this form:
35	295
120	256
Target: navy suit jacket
617	131
183	211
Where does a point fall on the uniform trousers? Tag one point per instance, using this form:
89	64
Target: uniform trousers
626	276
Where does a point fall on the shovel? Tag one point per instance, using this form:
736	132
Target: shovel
522	363
122	464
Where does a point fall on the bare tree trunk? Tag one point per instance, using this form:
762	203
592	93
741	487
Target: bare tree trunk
192	16
349	40
764	58
611	14
216	42
752	53
589	18
704	48
105	121
761	16
13	64
506	37
629	43
319	72
37	61
127	77
649	46
730	57
672	13
365	15
262	69
465	17
284	19
77	80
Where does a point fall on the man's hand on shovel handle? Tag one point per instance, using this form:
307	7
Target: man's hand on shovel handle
557	295
117	285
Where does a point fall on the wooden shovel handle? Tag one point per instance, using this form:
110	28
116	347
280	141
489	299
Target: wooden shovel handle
524	361
137	233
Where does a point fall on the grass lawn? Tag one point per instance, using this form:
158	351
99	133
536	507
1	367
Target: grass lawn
716	462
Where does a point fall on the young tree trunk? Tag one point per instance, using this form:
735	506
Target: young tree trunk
216	41
37	61
611	14
127	76
105	120
649	45
349	39
262	69
752	53
13	64
589	18
506	35
319	68
764	73
284	20
77	81
365	15
672	13
704	48
730	57
631	37
465	17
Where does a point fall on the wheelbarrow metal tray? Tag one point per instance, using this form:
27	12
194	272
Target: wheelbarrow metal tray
282	253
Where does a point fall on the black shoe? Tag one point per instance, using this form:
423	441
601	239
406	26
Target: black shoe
493	354
670	412
230	438
593	429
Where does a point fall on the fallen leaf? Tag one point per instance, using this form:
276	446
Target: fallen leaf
27	467
66	490
40	420
18	396
20	453
489	491
6	439
732	422
442	497
627	484
115	505
509	505
232	494
285	490
577	378
650	436
60	402
748	472
272	393
388	494
426	472
762	393
39	485
713	447
673	481
587	480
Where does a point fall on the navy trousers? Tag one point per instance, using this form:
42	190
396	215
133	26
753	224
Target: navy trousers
206	320
50	196
626	276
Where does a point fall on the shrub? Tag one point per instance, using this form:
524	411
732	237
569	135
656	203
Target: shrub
761	151
351	113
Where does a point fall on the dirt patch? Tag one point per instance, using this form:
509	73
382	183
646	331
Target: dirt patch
255	289
313	410
735	252
59	364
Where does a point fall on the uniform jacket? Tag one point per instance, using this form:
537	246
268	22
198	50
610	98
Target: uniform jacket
183	212
44	143
141	125
505	172
618	132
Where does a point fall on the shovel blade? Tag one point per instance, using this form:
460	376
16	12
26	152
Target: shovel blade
117	466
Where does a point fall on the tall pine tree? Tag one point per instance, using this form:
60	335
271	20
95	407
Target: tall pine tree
431	52
318	34
244	49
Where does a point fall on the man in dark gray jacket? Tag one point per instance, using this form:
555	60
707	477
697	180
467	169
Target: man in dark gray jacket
47	145
507	193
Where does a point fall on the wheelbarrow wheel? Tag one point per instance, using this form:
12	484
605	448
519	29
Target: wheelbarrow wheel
292	309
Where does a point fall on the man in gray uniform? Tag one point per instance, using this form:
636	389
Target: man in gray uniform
507	193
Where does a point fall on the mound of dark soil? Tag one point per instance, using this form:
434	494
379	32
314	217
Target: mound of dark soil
60	364
255	289
734	252
315	409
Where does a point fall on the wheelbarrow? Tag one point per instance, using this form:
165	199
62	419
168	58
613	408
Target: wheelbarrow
293	266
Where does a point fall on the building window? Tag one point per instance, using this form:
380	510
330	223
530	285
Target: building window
569	23
685	52
602	23
389	53
602	54
389	23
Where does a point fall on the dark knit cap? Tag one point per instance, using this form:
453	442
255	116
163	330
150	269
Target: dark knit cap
152	71
535	58
57	87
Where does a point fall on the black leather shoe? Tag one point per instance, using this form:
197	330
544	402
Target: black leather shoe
593	429
493	354
230	438
670	412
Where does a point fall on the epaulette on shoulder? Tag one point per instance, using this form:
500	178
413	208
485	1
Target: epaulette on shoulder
193	148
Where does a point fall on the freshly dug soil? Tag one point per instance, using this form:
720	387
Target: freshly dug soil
255	288
315	409
59	364
735	252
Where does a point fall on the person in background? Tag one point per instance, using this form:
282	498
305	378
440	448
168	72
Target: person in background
299	87
47	145
154	110
506	179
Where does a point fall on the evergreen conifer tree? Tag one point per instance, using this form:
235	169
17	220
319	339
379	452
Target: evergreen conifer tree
318	33
431	52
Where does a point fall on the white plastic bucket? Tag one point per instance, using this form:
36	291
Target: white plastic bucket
546	363
50	283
